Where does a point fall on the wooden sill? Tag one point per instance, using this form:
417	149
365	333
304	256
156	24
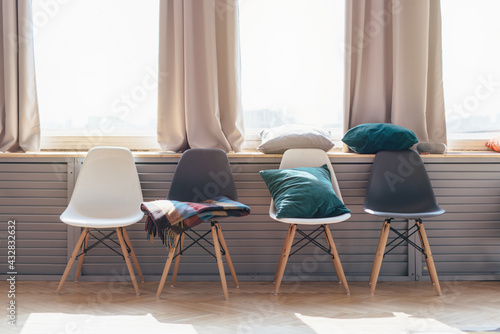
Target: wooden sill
244	154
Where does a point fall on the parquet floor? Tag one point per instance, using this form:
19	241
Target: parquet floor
254	309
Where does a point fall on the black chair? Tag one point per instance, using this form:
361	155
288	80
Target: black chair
201	174
399	188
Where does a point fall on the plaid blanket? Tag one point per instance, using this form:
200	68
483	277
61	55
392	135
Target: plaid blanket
167	219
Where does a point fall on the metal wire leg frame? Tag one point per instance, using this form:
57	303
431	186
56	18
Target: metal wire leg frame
309	238
220	248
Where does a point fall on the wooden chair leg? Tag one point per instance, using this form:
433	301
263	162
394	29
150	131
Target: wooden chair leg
428	256
379	255
282	252
132	254
163	279
80	260
127	260
220	264
382	231
177	260
327	233
336	259
226	252
284	259
72	259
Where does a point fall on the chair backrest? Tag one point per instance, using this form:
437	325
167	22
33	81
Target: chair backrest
309	157
399	184
107	185
202	174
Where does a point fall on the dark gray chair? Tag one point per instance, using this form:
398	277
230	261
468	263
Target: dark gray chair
399	188
201	174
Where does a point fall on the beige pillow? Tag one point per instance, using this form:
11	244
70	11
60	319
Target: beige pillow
282	138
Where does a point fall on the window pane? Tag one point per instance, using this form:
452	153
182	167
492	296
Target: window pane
471	50
96	66
292	63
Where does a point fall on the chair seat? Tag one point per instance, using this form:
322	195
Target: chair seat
406	215
80	220
308	221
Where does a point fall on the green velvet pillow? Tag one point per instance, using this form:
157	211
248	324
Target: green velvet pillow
374	137
304	192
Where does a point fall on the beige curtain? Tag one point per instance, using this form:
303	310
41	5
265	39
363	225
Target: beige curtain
394	66
199	104
19	120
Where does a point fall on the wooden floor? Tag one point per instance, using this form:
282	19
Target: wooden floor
254	309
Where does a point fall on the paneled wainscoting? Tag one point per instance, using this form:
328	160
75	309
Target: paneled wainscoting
35	189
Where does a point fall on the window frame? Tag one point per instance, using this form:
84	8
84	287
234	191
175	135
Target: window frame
46	17
251	142
84	143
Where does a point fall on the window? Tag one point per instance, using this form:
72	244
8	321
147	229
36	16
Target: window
97	69
292	63
471	71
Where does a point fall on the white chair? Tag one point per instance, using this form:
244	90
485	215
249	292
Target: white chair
294	158
107	195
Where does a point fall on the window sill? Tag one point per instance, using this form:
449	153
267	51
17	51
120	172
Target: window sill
244	154
67	144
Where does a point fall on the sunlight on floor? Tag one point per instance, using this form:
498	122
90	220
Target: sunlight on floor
400	323
86	323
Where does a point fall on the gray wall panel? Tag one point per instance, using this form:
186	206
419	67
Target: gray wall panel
465	241
34	194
